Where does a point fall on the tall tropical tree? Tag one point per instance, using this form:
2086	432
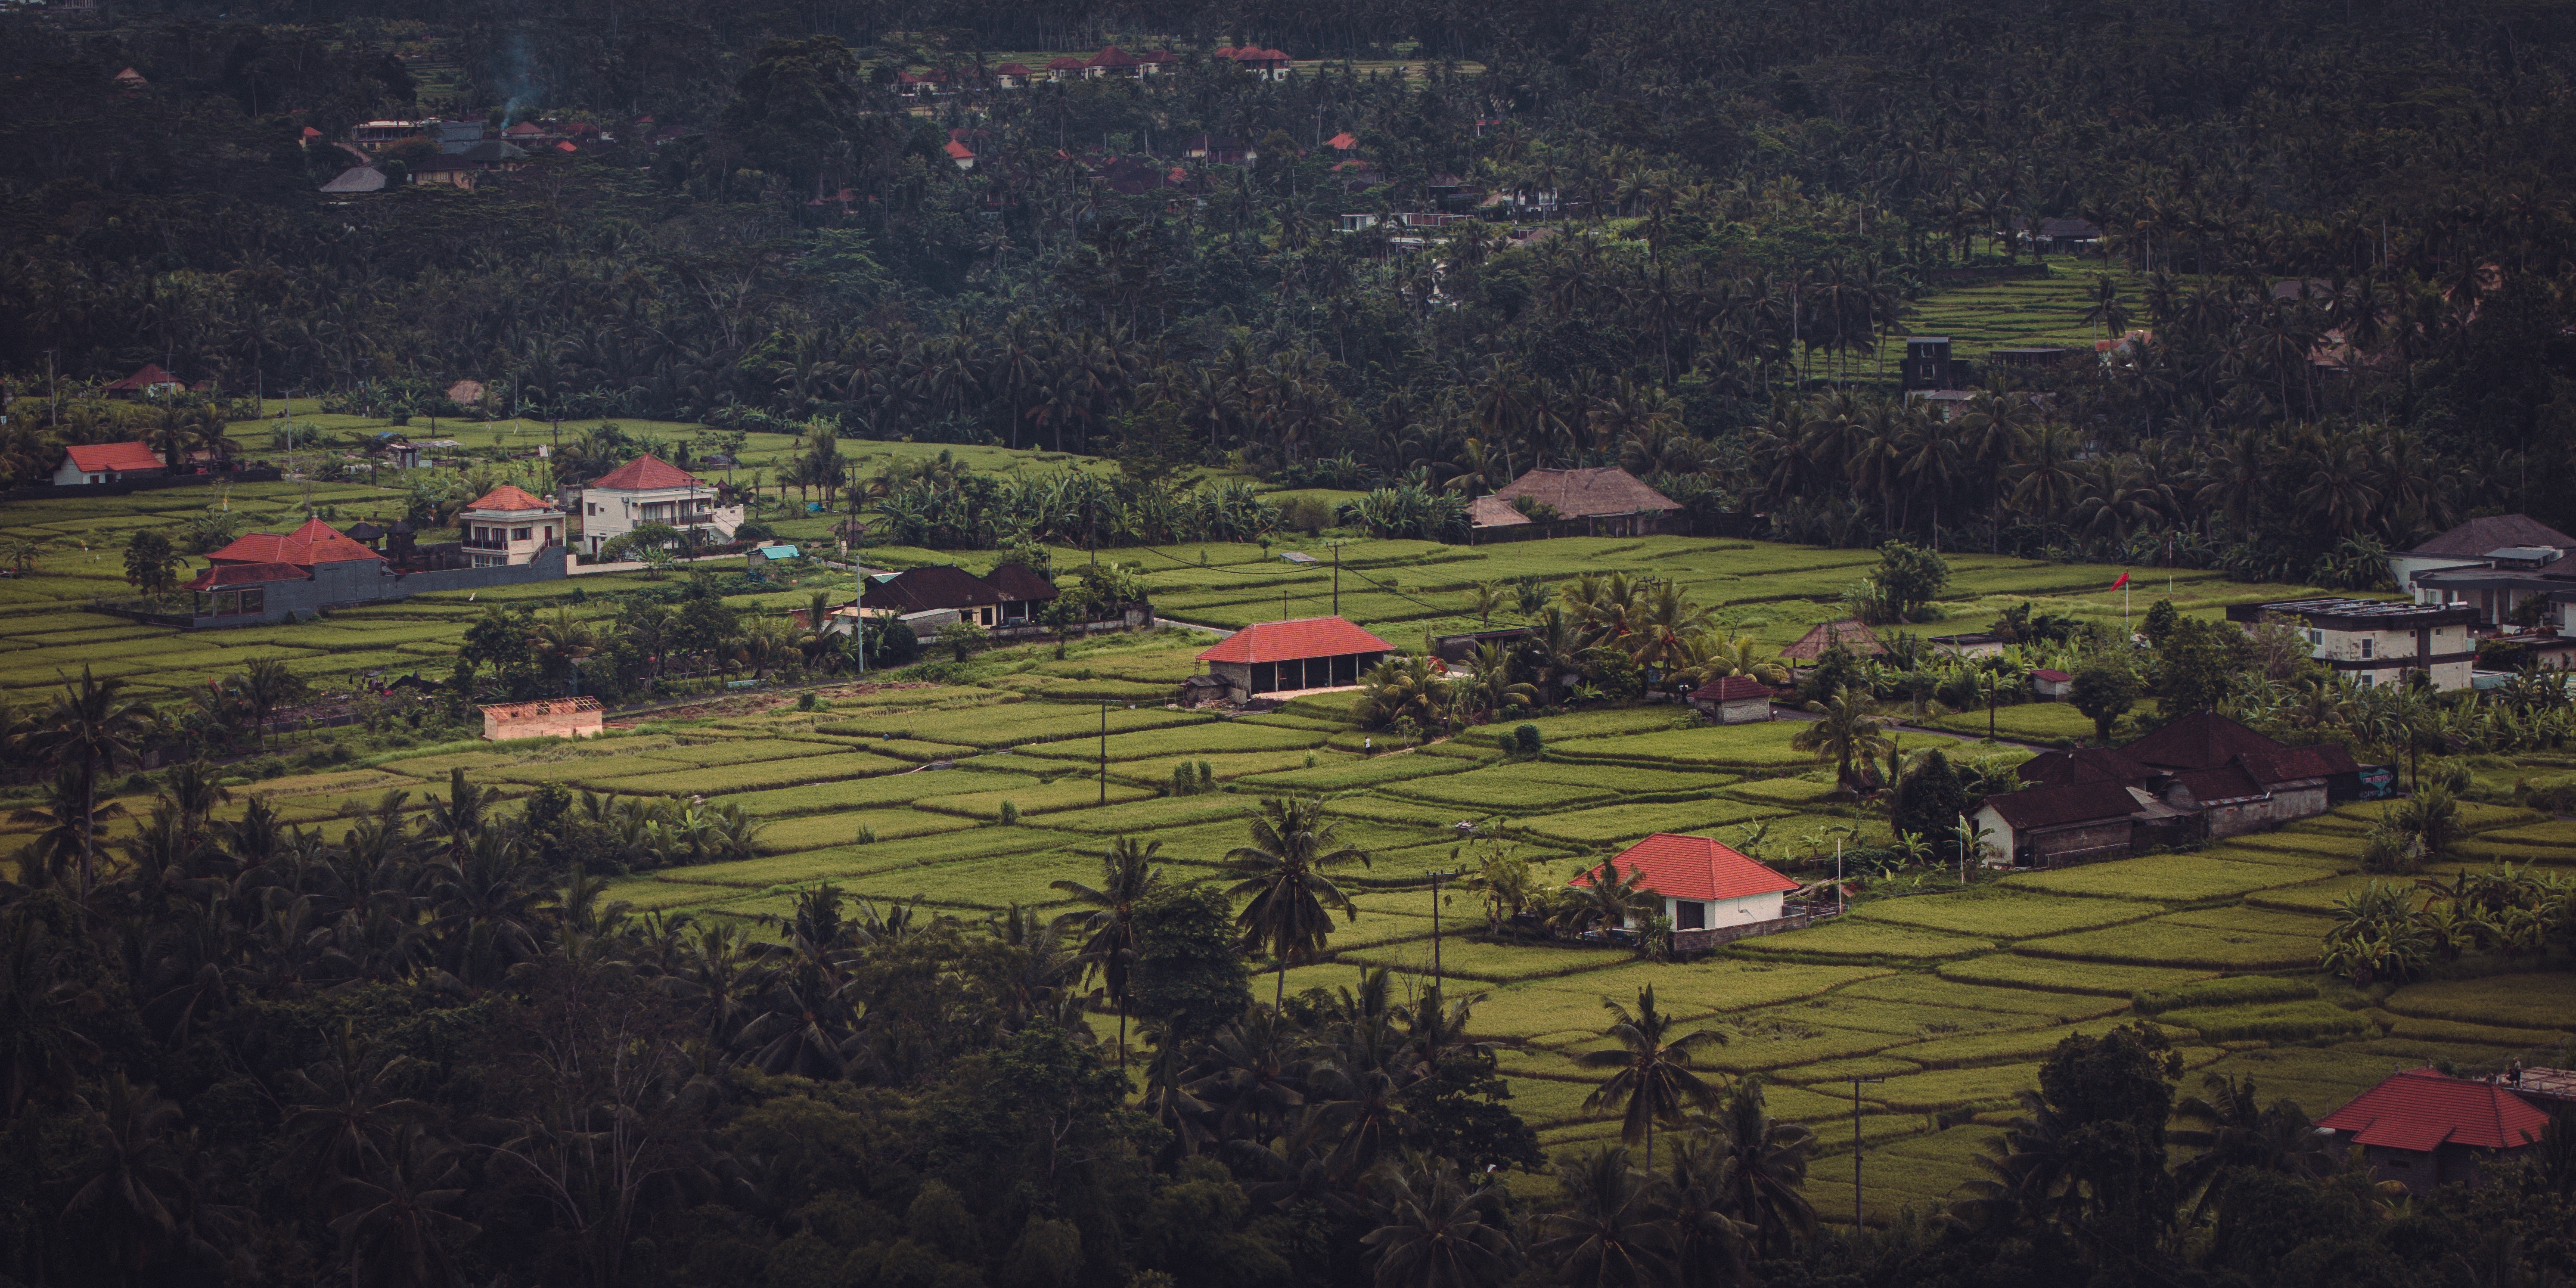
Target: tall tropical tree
90	730
1283	874
1757	1167
1608	1233
1436	1230
1105	916
1651	1076
1845	732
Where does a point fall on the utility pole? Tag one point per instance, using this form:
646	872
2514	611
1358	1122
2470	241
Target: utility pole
1337	578
1436	879
53	394
1104	753
1856	1147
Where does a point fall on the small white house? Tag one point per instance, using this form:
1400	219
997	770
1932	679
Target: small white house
1705	884
1735	699
2051	684
108	463
508	526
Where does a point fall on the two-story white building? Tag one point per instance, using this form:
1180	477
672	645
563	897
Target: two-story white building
646	490
508	525
2378	641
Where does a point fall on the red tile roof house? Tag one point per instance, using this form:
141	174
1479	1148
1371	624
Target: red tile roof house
649	489
1712	892
1290	657
2424	1130
262	577
1736	699
108	463
150	382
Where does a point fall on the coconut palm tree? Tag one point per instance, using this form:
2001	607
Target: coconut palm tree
1437	1230
396	1229
1106	916
1608	1233
1282	872
1846	733
1653	1080
1756	1167
90	730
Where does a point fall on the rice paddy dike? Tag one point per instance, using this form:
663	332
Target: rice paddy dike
1948	1000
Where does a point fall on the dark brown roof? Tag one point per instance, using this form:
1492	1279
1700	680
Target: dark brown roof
2063	805
2201	740
2473	539
1577	494
2220	786
2324	760
1016	581
921	590
2085	765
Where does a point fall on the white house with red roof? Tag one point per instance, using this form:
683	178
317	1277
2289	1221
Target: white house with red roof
1711	891
508	525
108	463
1288	657
649	489
150	382
2424	1129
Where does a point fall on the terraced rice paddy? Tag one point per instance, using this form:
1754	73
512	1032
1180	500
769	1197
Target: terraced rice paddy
1949	999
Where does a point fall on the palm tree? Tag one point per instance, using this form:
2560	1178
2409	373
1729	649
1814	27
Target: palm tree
1438	1231
91	729
396	1230
1107	917
131	1177
1845	733
1758	1168
1607	1234
1653	1079
1282	871
1488	596
41	1005
343	1113
1606	897
460	817
2238	1135
564	638
266	685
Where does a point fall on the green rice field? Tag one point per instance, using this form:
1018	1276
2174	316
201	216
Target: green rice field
1949	999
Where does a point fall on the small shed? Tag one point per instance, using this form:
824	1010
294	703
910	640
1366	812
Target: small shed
1312	653
2051	684
2064	822
1735	699
544	718
760	559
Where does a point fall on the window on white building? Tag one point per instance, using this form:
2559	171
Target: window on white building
2367	646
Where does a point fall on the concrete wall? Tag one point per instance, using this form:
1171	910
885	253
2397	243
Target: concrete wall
2287	805
2100	841
1744	711
1723	913
343	585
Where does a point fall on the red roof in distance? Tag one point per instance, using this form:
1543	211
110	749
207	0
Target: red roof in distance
103	458
1694	867
1011	69
2420	1108
150	375
646	473
1064	63
959	152
1290	641
1343	142
1738	688
1113	56
249	574
508	496
314	543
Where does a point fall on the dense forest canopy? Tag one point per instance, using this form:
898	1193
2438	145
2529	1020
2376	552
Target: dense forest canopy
1742	200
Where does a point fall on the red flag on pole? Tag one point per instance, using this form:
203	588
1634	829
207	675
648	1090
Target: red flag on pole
2123	581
